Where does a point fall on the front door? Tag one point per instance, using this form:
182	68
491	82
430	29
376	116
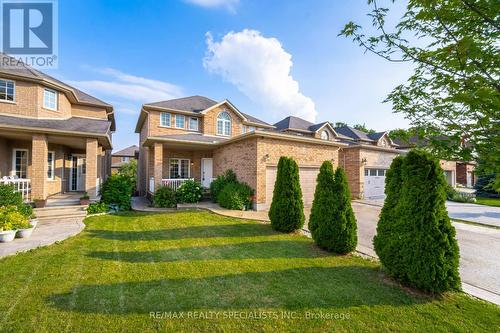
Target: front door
206	171
78	171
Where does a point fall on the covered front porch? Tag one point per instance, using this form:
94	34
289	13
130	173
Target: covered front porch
171	165
43	165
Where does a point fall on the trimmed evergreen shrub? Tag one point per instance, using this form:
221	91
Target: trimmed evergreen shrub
422	250
324	205
485	187
164	197
218	184
117	190
190	191
387	241
287	209
236	195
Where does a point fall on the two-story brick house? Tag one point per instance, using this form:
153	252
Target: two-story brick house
123	156
53	138
196	137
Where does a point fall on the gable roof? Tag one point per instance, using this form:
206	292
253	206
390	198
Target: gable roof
299	124
196	104
353	133
129	151
191	104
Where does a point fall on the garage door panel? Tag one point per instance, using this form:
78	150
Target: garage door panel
307	177
374	183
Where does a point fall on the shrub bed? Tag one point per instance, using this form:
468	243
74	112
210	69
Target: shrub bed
117	191
236	195
164	197
218	184
9	197
190	191
97	208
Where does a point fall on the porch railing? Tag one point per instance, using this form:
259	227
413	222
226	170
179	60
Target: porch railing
174	183
21	185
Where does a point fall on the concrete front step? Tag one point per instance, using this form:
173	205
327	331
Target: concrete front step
61	217
62	202
60	212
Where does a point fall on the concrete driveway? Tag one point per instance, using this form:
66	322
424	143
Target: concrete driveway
479	249
481	214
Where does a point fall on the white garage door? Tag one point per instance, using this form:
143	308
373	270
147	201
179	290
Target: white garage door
374	183
307	184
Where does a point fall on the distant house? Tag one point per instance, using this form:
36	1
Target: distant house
123	156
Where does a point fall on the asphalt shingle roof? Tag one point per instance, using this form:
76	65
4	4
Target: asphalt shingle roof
24	70
73	124
129	151
292	122
196	104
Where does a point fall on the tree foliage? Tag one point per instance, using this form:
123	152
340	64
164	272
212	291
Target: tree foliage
454	92
287	209
415	239
332	222
363	128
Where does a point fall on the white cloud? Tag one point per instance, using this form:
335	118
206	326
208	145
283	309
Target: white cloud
260	68
128	87
228	4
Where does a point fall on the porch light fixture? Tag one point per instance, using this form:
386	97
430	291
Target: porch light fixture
266	157
363	161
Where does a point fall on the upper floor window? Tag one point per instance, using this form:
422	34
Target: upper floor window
224	124
50	99
125	159
325	135
7	90
193	124
165	119
179	120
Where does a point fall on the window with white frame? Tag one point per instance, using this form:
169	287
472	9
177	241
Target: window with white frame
179	168
50	99
51	164
193	123
325	135
224	124
179	120
165	119
20	163
125	159
7	90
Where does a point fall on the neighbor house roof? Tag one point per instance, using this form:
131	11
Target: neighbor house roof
194	104
27	72
73	124
292	122
129	151
353	133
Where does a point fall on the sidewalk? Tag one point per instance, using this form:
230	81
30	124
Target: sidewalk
45	233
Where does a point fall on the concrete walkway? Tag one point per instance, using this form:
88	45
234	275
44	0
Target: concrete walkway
480	214
45	233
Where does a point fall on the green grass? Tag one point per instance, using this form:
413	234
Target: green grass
488	201
121	268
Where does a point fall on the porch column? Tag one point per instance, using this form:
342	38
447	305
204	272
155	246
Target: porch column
91	168
157	163
39	166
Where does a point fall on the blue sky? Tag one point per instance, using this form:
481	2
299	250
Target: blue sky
270	58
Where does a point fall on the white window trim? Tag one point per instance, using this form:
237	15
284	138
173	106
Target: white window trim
13	171
175	121
53	164
197	124
14	95
170	116
56	99
179	166
326	133
224	121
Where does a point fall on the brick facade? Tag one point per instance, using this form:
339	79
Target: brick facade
39	167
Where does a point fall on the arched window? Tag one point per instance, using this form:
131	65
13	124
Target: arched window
324	135
224	124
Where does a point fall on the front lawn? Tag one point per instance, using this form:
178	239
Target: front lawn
488	201
238	275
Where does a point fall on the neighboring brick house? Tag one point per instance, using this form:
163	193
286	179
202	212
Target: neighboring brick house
54	138
365	158
456	172
196	137
123	156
